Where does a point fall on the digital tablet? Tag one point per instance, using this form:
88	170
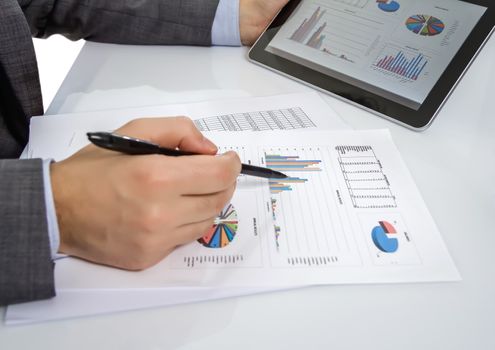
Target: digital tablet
399	59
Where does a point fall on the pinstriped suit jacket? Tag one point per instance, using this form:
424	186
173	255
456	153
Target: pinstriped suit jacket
26	269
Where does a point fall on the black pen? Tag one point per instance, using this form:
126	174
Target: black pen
134	146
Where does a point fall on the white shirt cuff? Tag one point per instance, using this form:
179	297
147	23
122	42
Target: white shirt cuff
51	214
225	29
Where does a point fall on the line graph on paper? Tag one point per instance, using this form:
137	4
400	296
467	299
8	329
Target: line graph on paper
366	182
277	119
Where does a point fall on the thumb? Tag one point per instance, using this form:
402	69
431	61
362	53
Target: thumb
170	132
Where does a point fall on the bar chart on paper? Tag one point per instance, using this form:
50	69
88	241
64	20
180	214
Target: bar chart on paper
308	231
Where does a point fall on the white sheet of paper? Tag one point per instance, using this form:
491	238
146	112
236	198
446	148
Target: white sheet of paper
53	136
349	207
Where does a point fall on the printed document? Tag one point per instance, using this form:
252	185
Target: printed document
348	213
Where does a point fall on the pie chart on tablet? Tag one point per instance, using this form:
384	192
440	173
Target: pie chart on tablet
388	5
425	25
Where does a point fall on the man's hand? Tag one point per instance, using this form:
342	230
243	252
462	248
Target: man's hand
131	211
254	17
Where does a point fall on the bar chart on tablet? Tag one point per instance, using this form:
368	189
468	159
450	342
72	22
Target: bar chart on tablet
343	35
403	64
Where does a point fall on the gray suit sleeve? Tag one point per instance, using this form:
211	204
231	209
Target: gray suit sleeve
123	21
26	267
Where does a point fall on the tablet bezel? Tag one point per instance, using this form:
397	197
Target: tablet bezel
417	119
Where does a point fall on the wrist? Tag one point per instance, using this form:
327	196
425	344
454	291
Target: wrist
59	194
51	214
255	16
246	22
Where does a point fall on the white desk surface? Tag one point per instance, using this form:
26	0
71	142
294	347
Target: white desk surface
453	164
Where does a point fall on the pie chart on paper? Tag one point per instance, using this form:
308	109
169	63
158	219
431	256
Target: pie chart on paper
383	237
223	230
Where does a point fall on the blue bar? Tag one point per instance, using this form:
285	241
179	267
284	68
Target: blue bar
408	67
286	180
401	62
396	60
415	67
390	63
287	188
419	72
416	73
279	157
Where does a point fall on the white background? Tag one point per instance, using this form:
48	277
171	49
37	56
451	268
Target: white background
55	57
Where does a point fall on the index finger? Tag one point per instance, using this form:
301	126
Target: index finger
169	132
197	175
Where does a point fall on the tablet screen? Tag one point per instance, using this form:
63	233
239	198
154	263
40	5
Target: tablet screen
397	49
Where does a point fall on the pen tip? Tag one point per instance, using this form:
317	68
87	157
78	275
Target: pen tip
279	175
